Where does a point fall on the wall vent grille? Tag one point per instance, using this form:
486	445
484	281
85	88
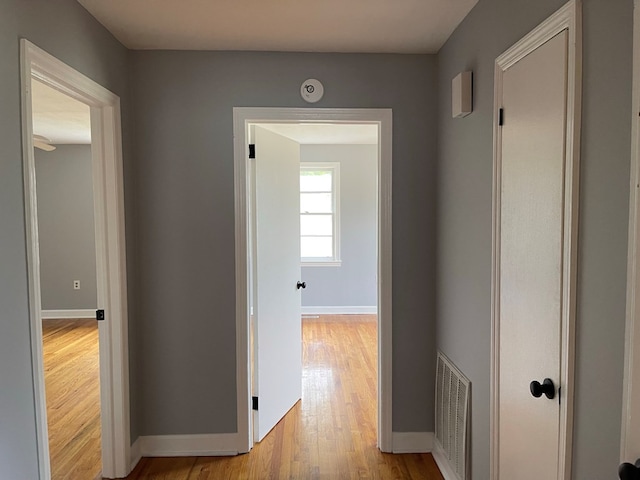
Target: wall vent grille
452	415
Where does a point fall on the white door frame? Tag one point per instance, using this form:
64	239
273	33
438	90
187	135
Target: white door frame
567	18
242	117
630	431
106	153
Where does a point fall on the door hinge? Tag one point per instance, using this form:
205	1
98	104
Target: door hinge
559	396
501	117
252	150
99	314
254	403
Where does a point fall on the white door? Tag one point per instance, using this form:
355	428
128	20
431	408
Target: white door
276	269
531	249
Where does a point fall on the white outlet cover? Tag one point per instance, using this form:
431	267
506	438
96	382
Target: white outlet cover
312	90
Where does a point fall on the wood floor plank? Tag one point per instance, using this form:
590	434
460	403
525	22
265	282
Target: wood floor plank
331	432
167	468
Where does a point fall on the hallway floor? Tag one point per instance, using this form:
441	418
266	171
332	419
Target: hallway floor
330	433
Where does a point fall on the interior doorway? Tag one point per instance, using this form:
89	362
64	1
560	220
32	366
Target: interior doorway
243	118
108	213
314	222
67	256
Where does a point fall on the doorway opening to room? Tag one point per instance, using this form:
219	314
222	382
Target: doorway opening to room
330	218
295	211
74	217
68	280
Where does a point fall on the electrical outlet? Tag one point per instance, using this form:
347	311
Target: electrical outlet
76	284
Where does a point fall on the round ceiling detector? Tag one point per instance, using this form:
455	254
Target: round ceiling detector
312	90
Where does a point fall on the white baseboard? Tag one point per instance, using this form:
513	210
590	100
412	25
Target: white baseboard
205	445
136	453
442	461
412	442
208	445
357	310
52	314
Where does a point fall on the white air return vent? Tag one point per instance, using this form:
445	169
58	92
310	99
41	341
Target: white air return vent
452	419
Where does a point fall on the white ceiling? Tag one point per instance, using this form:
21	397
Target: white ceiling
381	26
376	26
326	134
58	117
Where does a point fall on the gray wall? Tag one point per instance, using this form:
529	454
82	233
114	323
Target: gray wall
76	38
65	227
354	282
180	216
184	153
464	217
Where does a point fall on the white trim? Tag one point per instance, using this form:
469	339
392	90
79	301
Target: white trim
340	310
110	248
413	442
442	460
630	431
204	445
329	263
567	18
54	314
383	118
136	453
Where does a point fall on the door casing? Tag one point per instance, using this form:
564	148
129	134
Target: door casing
242	117
106	157
567	18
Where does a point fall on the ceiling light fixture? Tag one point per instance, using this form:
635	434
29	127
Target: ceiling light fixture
43	143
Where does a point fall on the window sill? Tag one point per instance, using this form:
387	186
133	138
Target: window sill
329	263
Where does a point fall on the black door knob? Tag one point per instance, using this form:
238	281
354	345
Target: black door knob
547	387
301	285
628	471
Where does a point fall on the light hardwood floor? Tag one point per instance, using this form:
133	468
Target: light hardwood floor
330	434
72	382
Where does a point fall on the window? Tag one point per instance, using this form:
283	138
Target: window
319	213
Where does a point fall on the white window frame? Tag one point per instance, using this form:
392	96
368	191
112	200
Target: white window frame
335	191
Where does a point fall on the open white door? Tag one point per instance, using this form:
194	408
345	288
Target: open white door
276	267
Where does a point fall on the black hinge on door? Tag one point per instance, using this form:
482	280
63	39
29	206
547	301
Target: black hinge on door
99	314
254	403
501	117
252	150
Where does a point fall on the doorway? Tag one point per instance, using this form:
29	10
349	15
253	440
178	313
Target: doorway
108	212
243	117
67	255
314	189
